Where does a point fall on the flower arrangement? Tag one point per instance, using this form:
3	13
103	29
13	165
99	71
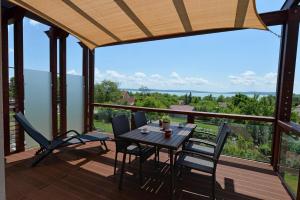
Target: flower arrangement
166	120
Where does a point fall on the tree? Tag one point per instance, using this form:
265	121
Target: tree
190	98
107	91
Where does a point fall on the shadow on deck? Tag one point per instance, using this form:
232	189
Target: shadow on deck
88	174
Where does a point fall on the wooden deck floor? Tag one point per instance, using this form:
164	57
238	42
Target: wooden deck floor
88	174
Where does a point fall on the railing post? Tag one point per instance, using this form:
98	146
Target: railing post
85	74
91	88
298	188
285	81
191	119
19	76
53	70
63	79
5	86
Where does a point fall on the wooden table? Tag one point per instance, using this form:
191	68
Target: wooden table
156	137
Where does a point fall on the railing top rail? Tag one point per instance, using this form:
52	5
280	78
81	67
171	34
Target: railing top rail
191	113
289	126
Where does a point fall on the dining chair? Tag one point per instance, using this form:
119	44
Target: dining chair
203	146
140	119
204	162
120	125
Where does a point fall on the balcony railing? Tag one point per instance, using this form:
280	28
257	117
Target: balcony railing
251	136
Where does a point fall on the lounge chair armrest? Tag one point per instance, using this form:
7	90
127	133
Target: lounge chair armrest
66	133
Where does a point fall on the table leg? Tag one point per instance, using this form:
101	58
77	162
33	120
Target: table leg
171	173
122	171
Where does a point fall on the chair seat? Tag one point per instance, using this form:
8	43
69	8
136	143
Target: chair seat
146	151
191	146
94	136
196	163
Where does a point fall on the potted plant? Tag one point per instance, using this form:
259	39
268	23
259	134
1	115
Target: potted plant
165	122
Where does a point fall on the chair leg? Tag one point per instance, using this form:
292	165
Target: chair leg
40	157
213	185
116	160
122	171
140	172
129	159
106	148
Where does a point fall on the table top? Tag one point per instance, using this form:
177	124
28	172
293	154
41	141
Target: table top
155	136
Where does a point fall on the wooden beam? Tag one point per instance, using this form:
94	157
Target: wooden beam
19	78
298	187
126	9
91	88
63	81
286	75
288	4
183	16
53	70
191	113
5	85
91	19
85	74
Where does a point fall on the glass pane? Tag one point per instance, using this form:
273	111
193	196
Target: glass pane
75	103
38	103
289	160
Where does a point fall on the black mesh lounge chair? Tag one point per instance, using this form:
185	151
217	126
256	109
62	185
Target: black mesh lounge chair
202	162
120	125
139	119
203	146
47	147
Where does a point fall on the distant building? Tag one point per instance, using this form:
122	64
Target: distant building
127	99
181	108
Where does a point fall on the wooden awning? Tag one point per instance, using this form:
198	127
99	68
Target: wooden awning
105	22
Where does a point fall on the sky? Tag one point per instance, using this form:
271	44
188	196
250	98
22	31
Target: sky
245	60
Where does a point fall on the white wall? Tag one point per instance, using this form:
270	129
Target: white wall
2	163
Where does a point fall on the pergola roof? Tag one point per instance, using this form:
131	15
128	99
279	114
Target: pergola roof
105	22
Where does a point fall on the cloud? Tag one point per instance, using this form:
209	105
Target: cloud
250	78
138	79
11	50
140	75
33	22
73	72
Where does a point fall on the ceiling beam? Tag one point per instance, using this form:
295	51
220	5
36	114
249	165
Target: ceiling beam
134	18
182	13
91	19
288	4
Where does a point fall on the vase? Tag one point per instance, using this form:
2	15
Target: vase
166	125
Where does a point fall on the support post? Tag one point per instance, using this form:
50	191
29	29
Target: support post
91	88
63	80
191	119
285	83
2	162
19	77
53	70
5	85
85	74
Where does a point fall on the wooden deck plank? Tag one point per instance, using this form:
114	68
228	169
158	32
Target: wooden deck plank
86	172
